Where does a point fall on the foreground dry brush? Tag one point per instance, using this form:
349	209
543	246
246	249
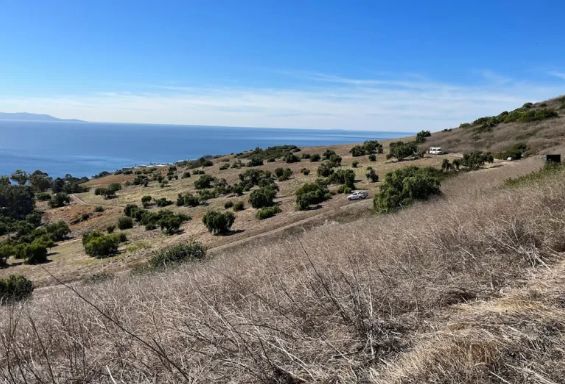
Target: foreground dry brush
408	297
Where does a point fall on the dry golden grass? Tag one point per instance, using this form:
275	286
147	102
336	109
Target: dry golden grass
438	292
545	136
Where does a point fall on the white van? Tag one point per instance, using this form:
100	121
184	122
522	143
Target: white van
435	151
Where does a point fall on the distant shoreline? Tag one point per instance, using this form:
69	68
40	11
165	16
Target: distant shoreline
62	148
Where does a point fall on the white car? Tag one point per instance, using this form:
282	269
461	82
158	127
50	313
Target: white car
358	195
435	151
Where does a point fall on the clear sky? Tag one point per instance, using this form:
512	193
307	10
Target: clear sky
352	64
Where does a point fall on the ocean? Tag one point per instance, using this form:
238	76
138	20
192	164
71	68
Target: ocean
85	149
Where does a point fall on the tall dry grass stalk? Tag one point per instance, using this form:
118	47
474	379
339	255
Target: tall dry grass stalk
337	304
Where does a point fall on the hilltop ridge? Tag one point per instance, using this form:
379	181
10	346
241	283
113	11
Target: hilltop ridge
35	117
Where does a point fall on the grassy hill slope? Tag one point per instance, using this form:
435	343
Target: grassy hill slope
540	136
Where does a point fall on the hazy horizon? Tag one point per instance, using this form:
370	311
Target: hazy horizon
373	66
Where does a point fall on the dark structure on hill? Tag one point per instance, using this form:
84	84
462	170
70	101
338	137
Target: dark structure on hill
553	159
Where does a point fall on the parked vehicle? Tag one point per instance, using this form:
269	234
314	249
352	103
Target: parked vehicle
435	151
358	195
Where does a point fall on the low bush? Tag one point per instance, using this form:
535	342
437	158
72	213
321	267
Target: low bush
176	254
14	288
146	201
187	200
239	206
476	159
310	194
163	202
372	157
125	222
228	204
35	253
99	245
43	196
218	222
262	197
372	175
265	213
315	157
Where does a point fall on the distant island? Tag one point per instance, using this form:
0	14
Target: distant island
25	116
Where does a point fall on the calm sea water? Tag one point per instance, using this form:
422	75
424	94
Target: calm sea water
85	149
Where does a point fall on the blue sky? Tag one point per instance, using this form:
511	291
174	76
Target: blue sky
401	65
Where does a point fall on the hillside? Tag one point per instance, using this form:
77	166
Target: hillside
545	135
25	116
463	287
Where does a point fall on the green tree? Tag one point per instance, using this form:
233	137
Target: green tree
20	177
401	150
59	200
15	201
401	187
40	181
421	136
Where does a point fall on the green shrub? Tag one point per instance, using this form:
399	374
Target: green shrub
125	222
218	222
421	136
265	213
343	176
315	157
403	186
262	197
283	173
355	164
59	200
110	228
98	209
305	171
163	202
176	254
228	204
146	201
14	288
291	158
204	181
310	194
36	253
99	245
476	159
326	169
255	162
357	151
344	189
239	206
170	224
185	174
401	150
372	175
515	152
372	157
43	196
187	200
